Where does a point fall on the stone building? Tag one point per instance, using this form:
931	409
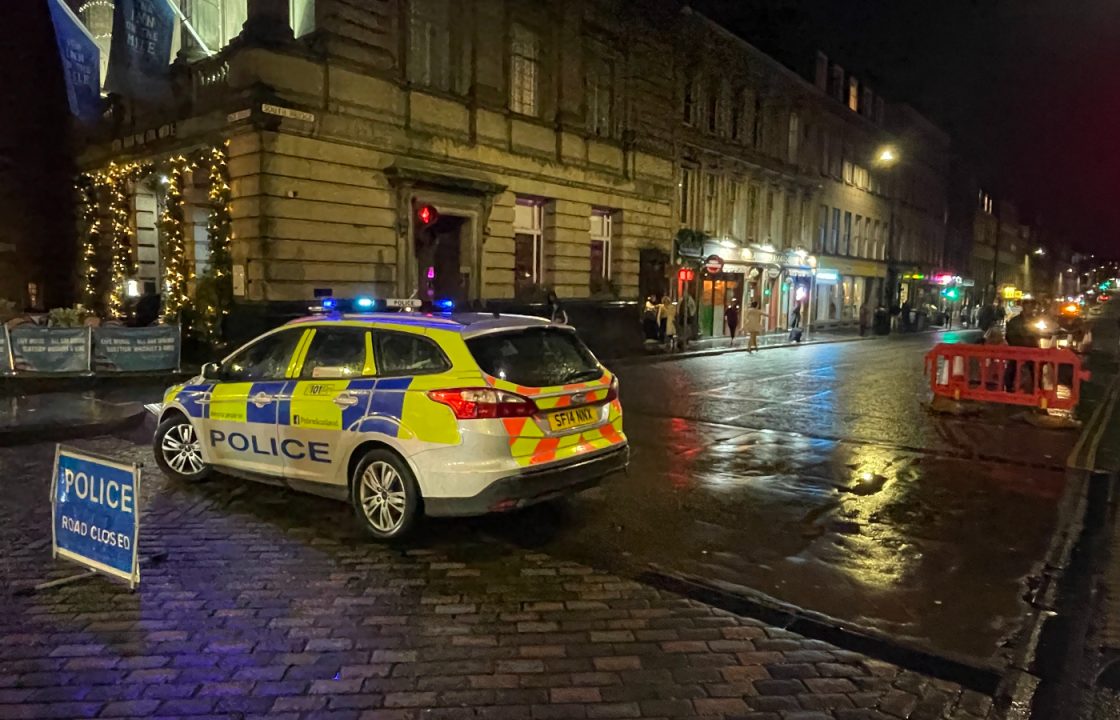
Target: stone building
560	145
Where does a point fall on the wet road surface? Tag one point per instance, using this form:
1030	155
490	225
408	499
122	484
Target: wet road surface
816	476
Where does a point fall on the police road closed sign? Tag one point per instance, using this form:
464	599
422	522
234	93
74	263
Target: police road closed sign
95	513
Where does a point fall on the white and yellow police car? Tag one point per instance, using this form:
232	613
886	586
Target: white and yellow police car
403	414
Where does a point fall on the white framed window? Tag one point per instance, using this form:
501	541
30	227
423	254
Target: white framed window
849	172
525	67
528	242
602	228
429	44
711	203
853	94
685	188
794	136
600	92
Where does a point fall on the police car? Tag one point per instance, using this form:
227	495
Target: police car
402	414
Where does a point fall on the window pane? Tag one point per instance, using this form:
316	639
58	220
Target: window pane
403	354
335	353
524	70
537	357
266	359
598	256
429	49
524	274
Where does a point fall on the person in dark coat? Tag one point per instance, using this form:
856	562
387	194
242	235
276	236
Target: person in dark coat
731	316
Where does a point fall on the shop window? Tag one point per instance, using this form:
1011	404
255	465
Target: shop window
602	226
429	44
528	239
524	84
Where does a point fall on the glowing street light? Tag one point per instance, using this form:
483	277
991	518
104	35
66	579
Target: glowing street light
887	156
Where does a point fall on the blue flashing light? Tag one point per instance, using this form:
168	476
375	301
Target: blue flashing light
330	303
363	303
446	305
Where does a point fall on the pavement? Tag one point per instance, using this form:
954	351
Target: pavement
73	414
717	346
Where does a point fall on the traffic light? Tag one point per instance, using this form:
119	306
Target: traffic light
686	274
427	215
950	293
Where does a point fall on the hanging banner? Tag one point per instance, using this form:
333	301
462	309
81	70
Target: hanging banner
95	511
140	52
50	350
5	351
80	62
125	349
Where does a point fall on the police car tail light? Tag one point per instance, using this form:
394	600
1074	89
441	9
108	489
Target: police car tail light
612	394
484	403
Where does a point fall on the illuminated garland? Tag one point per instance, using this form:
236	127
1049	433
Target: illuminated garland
92	267
218	301
106	273
177	272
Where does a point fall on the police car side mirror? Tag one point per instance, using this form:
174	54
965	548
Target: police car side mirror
211	371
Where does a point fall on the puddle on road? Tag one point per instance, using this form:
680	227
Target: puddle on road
930	549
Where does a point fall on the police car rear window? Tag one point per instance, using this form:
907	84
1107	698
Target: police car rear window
535	357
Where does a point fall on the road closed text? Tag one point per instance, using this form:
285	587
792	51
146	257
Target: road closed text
95	533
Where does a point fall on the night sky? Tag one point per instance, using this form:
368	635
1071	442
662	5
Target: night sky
1028	89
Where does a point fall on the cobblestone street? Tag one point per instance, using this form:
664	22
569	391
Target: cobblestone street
271	604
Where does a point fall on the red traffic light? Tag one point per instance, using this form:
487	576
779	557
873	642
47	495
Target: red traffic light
686	274
427	215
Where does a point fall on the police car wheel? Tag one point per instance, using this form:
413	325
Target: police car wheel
385	495
178	450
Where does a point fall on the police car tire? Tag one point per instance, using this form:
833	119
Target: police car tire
161	461
411	490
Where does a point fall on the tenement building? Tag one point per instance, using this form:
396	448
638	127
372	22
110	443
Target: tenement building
499	151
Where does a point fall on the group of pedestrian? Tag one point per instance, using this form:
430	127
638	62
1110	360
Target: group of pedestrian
666	322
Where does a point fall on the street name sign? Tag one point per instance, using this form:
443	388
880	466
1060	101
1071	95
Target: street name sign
95	513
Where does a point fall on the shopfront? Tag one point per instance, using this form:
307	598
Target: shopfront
843	287
731	274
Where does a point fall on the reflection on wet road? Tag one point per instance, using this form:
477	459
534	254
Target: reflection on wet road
815	475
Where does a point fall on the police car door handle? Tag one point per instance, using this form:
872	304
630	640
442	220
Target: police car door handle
346	400
200	398
261	399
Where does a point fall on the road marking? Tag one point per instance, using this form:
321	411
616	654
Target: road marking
1094	428
1091	458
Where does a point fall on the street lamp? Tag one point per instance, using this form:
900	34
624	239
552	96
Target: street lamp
1040	251
887	157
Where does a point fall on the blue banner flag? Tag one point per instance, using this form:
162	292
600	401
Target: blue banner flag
80	62
126	349
95	504
140	51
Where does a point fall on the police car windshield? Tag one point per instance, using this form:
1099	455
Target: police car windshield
535	357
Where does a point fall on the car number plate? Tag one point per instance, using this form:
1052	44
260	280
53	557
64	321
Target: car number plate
568	419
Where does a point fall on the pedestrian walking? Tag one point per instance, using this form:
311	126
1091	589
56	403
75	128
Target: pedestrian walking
795	324
649	319
865	314
667	322
731	317
752	325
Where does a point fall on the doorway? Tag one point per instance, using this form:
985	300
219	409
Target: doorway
439	261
